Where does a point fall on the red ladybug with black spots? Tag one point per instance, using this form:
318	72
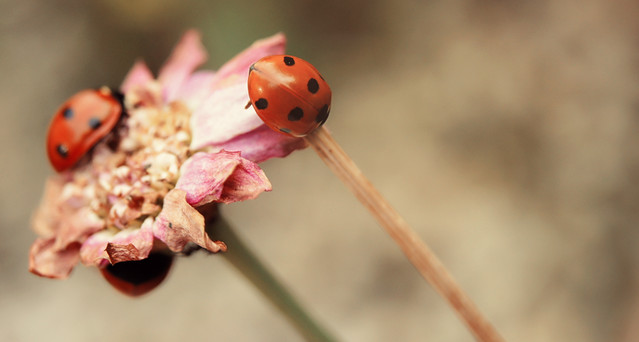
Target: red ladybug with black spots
289	94
80	123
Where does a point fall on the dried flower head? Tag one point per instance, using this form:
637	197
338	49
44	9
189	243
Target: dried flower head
187	141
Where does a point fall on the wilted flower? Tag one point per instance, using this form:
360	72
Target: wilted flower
187	141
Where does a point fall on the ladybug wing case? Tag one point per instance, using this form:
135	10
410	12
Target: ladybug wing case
79	124
289	94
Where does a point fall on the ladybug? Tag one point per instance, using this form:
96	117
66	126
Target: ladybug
289	94
80	123
135	278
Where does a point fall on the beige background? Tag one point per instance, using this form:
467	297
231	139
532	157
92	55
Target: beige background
505	132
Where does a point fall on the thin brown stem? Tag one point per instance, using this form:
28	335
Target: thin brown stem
410	243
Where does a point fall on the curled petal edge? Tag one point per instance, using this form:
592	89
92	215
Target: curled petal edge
222	177
179	223
47	261
107	247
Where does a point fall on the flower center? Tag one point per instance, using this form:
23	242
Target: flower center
126	185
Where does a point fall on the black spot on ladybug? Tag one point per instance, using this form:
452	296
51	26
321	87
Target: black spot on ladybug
261	103
312	86
62	150
67	113
289	60
295	114
94	123
285	130
322	115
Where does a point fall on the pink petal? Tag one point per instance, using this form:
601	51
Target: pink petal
77	227
196	88
274	45
201	84
179	223
221	177
132	246
137	76
223	116
113	247
185	58
46	261
46	219
144	95
93	250
262	144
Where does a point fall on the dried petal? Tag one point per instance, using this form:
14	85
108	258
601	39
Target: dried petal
77	227
222	116
185	58
146	95
221	177
133	245
48	215
110	246
179	223
93	250
46	261
196	88
137	76
262	144
121	214
274	45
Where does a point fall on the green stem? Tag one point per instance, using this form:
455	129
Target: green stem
241	257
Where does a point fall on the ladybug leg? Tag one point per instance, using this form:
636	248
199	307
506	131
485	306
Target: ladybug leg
248	105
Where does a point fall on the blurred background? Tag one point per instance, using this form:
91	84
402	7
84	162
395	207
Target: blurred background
504	132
